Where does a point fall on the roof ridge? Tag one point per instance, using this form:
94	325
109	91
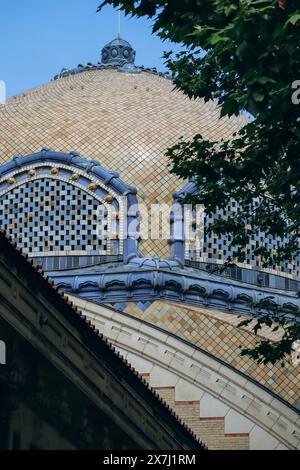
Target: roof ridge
46	279
65	72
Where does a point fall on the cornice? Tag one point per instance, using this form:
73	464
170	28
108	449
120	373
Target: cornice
199	368
100	66
167	280
64	316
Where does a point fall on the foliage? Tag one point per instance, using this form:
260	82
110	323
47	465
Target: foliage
244	54
268	351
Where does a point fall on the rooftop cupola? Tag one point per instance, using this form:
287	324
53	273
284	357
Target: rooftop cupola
118	52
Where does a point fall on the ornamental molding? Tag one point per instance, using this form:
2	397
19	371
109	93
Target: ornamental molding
86	175
199	368
133	282
180	246
89	67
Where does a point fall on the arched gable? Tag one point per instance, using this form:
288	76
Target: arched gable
62	205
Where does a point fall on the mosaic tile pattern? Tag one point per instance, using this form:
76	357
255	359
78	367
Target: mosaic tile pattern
48	216
124	121
218	334
214	248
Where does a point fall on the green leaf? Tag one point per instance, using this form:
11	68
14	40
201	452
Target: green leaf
230	9
258	96
264	80
242	50
293	19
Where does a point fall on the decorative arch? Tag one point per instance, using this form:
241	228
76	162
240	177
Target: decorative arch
230	400
62	205
212	249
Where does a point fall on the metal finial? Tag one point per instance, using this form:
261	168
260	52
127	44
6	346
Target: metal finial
119	24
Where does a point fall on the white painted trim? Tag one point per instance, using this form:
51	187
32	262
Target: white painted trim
197	368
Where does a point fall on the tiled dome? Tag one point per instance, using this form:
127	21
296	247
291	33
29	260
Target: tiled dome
125	121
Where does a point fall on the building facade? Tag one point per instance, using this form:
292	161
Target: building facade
63	386
83	175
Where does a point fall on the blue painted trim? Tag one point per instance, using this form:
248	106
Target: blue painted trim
177	239
113	66
165	279
110	179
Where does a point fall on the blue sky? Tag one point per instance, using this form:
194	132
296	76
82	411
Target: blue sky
40	37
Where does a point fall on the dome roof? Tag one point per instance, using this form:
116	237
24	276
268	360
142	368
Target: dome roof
118	42
124	121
